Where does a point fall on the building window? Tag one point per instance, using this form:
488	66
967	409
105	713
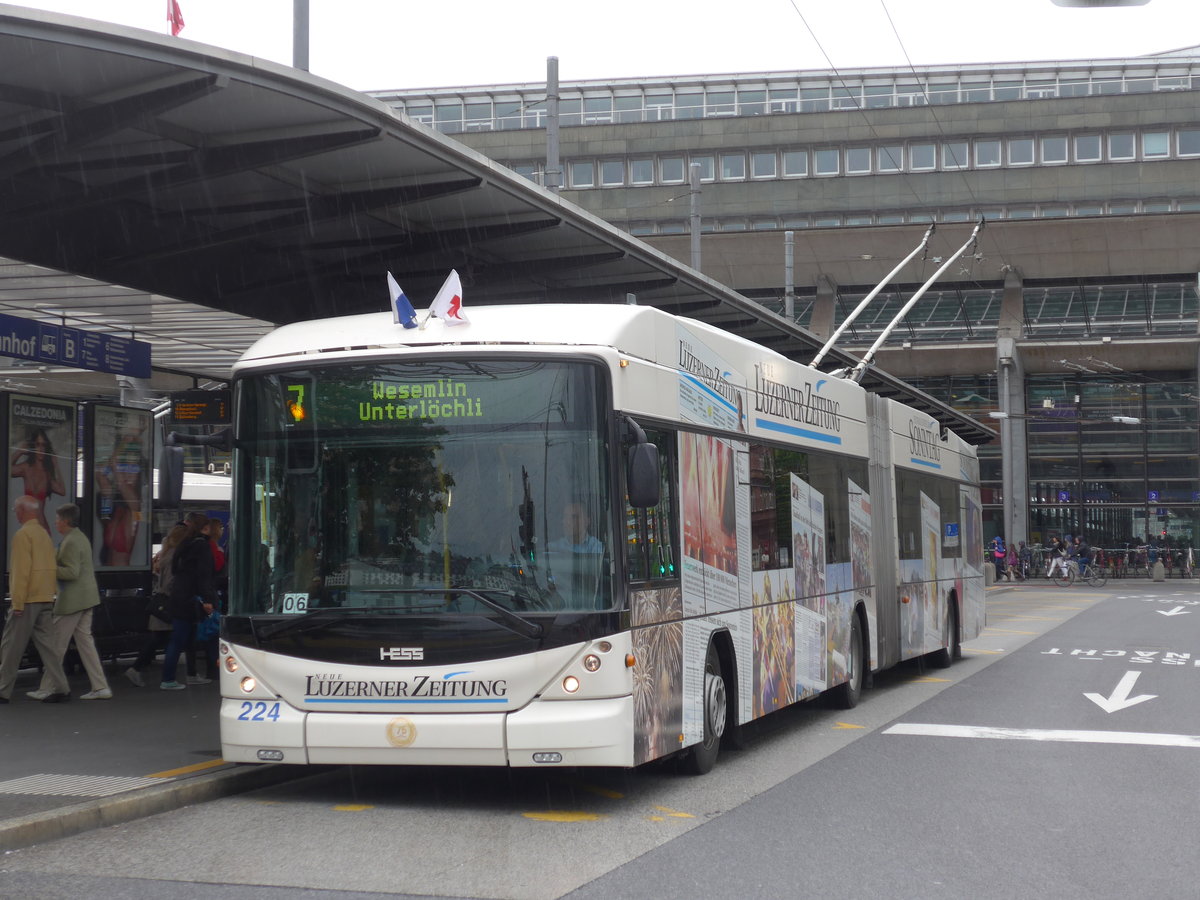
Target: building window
922	156
764	165
1188	142
1054	212
795	163
889	159
1122	209
891	218
719	103
858	160
1121	146
1089	209
627	109
783	100
954	155
733	166
827	221
752	103
1087	148
763	225
597	111
528	170
1054	150
583	174
987	153
1020	152
641	171
1156	206
707	166
612	172
878	96
671	169
826	162
1155	144
689	106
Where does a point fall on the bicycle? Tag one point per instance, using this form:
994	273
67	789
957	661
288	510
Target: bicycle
1093	574
1071	572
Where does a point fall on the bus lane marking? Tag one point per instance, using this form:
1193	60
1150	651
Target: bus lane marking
1147	739
1120	699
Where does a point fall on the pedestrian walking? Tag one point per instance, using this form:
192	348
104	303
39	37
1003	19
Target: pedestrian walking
192	595
31	584
78	596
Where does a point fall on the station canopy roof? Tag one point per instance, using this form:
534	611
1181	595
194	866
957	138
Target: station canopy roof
201	196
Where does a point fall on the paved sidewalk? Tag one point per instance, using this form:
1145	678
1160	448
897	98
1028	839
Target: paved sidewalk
68	767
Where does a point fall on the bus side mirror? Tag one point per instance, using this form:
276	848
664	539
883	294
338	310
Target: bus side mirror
642	476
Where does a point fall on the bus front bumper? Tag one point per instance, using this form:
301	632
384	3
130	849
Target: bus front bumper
563	733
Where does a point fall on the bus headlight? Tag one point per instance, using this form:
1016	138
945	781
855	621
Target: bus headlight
591	662
570	684
249	684
231	664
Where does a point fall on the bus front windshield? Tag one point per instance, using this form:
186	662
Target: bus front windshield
422	487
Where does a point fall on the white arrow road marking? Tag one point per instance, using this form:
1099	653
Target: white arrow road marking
1120	698
1047	734
1177	611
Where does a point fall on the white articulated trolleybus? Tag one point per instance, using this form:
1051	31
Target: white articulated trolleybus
571	535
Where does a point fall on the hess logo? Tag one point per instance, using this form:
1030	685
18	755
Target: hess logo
400	653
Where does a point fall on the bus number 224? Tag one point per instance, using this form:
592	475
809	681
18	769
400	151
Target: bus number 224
258	712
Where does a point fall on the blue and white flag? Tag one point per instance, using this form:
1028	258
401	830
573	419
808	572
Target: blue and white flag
402	310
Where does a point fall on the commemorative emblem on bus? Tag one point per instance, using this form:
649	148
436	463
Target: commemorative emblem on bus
401	732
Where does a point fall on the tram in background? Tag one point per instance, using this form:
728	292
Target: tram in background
571	535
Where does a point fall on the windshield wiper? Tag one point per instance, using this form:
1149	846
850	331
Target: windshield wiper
319	618
519	624
326	615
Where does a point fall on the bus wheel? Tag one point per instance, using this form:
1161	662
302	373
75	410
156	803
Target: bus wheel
703	756
846	694
941	659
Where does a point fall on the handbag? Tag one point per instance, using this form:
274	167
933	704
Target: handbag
160	608
209	627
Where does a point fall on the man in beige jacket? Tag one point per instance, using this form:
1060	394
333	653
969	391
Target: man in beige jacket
31	584
78	595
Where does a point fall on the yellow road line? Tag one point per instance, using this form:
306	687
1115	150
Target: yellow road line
1006	631
674	813
188	770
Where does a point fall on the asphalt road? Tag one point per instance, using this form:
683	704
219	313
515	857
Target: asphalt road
1057	759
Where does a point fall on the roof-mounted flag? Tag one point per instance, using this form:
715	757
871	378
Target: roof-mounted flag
402	310
447	305
175	17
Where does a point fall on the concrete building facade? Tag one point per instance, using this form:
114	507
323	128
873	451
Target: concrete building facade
1070	322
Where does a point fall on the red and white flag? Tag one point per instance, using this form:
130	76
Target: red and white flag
447	305
175	17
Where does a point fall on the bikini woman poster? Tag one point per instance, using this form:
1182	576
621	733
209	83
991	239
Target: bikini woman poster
41	456
121	485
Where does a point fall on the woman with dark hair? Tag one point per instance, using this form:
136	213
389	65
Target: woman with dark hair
34	461
192	594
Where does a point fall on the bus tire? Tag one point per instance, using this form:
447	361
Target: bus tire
847	694
941	659
701	758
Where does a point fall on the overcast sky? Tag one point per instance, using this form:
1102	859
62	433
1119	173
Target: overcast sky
382	44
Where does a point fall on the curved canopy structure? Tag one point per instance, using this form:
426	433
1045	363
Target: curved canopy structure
239	187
